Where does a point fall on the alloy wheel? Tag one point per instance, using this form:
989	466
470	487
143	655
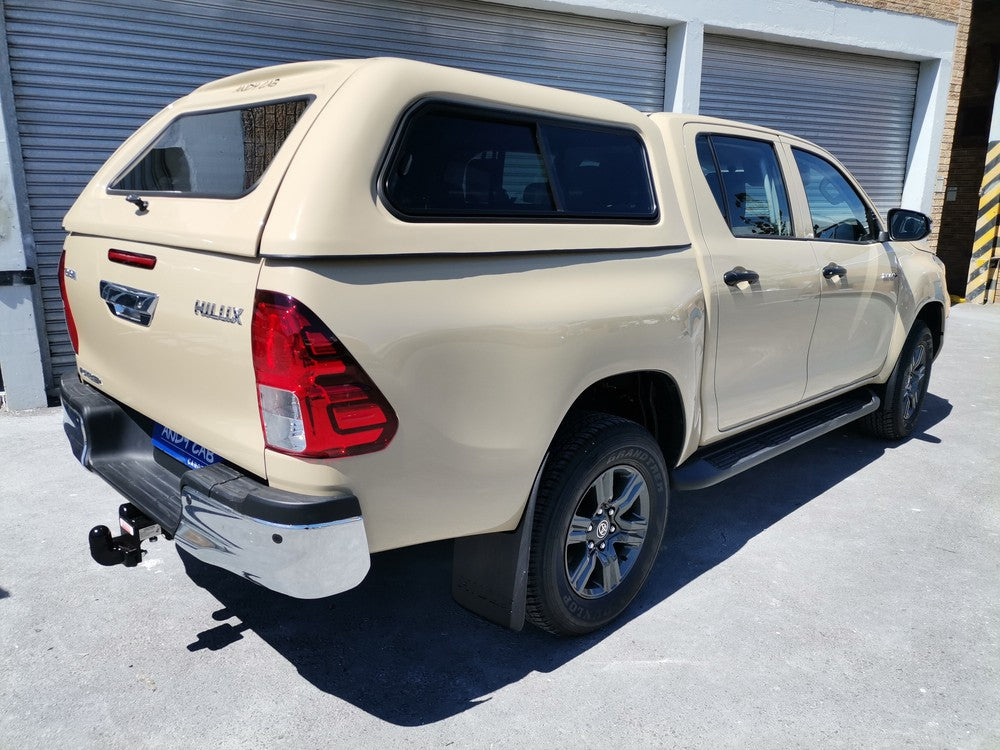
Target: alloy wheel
607	531
916	373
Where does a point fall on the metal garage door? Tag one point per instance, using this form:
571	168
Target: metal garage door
87	74
859	107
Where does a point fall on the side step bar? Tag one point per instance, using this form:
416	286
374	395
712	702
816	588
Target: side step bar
723	460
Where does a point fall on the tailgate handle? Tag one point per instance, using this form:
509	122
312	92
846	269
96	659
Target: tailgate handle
133	305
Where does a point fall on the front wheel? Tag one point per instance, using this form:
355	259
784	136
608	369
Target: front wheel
599	522
907	385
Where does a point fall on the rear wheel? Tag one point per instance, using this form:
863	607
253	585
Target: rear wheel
600	516
905	390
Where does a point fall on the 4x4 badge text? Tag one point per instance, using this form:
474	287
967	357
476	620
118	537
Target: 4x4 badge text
225	313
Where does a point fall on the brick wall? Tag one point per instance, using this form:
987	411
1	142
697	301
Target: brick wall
968	154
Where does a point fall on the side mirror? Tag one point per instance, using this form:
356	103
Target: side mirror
908	226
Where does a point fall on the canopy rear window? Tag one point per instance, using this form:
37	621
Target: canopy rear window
219	154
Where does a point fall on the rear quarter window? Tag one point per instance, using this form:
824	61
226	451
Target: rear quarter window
460	163
222	153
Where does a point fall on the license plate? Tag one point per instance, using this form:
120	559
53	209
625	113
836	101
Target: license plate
184	449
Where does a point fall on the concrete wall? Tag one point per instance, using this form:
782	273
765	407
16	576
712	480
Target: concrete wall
23	348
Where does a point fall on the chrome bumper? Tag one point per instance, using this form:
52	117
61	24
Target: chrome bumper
307	562
301	545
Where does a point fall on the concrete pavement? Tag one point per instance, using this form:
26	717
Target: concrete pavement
844	595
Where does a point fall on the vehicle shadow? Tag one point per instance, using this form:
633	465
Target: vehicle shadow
400	648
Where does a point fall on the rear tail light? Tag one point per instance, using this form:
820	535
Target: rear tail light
315	400
70	323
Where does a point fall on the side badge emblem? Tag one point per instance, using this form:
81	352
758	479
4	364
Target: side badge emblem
225	313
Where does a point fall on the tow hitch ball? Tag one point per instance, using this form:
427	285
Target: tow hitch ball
126	549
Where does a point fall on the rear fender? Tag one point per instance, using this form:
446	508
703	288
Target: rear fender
482	357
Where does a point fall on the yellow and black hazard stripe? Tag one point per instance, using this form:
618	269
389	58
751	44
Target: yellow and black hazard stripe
984	246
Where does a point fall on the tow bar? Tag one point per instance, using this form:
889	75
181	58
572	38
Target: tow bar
126	549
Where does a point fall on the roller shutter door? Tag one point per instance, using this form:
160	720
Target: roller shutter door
87	74
858	107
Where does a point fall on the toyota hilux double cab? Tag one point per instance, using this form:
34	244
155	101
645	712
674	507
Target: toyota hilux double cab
327	309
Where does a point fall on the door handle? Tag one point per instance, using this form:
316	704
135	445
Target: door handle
832	269
738	274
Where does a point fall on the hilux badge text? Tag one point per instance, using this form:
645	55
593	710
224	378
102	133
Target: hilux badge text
225	313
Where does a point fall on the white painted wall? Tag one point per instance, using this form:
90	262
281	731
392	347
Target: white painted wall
11	244
824	23
22	356
24	352
685	47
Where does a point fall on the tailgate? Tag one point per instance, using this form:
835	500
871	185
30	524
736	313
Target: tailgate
188	366
191	188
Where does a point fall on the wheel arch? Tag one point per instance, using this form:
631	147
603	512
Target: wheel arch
490	571
933	315
648	397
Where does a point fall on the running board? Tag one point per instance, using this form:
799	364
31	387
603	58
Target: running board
721	461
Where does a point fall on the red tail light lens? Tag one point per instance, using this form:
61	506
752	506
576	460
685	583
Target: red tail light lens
315	400
70	323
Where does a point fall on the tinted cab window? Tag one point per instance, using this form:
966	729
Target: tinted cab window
837	211
746	180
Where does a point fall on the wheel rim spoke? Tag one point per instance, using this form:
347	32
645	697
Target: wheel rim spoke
611	572
578	528
581	575
605	486
634	489
632	531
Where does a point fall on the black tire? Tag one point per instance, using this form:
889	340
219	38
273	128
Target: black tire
613	472
904	392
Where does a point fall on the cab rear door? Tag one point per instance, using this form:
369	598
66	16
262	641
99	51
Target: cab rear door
764	283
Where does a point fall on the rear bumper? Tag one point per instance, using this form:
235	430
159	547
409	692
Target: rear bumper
301	545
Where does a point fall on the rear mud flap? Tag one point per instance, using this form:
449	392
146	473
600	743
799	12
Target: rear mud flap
490	571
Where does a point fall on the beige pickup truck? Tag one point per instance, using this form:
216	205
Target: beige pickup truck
327	309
